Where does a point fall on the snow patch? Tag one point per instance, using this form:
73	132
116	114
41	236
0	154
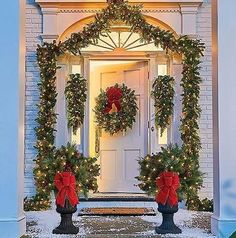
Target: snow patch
41	224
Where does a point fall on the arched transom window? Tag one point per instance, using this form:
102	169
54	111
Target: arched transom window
120	37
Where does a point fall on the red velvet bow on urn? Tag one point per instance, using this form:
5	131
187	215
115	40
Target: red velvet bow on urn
114	95
168	183
66	184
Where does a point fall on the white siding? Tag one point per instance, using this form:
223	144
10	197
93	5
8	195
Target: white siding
33	32
206	158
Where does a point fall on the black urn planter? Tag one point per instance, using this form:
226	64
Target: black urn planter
168	226
66	226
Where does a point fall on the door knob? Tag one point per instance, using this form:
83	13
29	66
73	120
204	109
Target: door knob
152	128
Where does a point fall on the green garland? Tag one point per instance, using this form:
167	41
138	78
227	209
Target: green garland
163	94
116	121
76	96
191	93
47	60
131	15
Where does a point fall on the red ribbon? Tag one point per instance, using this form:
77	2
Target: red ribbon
66	184
114	95
168	183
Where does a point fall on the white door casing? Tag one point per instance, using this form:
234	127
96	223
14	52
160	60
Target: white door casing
119	153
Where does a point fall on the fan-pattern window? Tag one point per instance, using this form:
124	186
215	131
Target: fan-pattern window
122	38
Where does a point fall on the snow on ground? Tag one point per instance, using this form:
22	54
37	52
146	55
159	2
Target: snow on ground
41	223
46	222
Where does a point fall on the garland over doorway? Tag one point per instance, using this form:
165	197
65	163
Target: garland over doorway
116	11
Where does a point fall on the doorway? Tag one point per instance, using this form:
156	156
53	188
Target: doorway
118	154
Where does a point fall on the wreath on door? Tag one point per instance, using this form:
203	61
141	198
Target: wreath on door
116	109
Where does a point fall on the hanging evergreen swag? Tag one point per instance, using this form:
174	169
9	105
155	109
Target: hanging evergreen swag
163	95
116	109
131	15
76	96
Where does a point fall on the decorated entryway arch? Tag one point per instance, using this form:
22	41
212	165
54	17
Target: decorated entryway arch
117	11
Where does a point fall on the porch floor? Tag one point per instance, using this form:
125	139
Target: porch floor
193	225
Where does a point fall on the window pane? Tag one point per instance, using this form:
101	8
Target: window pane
162	140
129	41
76	139
76	69
162	69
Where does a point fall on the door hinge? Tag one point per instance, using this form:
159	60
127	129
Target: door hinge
148	75
148	124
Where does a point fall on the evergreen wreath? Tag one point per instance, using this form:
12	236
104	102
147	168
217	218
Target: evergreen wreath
76	96
48	53
163	94
116	109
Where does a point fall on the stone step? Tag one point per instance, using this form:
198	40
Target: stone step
89	204
129	197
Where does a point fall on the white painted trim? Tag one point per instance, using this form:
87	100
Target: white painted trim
85	131
62	132
60	15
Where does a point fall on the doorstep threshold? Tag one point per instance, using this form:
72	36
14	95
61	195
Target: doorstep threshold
128	197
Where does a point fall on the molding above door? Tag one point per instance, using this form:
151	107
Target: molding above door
59	15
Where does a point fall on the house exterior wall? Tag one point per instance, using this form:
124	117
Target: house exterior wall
204	29
33	32
35	29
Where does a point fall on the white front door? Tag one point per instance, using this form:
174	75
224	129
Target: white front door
119	153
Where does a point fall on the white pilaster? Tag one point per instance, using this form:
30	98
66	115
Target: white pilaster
62	135
85	132
189	18
50	28
12	54
224	87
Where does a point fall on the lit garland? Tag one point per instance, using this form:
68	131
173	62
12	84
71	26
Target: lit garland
191	92
192	52
76	96
47	60
163	95
118	120
131	15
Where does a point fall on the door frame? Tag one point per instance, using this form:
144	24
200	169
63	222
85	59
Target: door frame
63	135
151	58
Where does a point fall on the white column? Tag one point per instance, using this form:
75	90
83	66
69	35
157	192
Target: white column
12	54
224	91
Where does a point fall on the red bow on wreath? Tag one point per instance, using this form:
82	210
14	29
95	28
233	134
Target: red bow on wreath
114	95
65	183
168	183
